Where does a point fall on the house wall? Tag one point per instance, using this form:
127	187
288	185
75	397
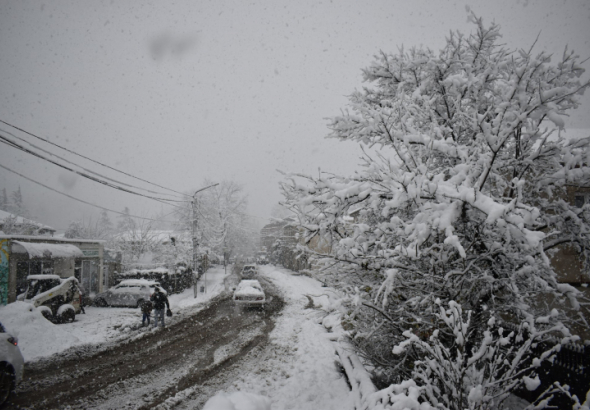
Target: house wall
64	267
566	259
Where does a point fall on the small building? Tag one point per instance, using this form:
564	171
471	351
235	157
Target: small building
21	256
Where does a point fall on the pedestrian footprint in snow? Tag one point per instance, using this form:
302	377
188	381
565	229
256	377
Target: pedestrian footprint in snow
146	309
160	302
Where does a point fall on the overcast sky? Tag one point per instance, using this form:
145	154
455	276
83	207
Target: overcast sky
176	92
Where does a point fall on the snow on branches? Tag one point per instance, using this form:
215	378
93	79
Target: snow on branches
460	368
468	183
464	197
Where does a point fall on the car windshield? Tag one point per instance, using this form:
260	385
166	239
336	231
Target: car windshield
37	286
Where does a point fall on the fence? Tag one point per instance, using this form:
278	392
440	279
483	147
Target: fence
571	367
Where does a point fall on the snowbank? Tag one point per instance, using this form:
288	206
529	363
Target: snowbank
237	401
37	336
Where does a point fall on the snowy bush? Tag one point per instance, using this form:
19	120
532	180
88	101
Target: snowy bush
463	201
461	368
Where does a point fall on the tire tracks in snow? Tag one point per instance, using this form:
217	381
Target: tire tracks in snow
144	372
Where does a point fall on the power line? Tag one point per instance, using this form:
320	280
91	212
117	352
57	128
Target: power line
77	165
81	200
89	159
13	144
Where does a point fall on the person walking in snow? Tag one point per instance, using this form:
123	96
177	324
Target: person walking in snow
160	302
146	309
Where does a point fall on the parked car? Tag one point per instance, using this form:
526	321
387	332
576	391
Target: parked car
11	364
249	293
131	292
249	271
261	259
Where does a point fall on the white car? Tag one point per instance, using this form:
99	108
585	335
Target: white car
12	364
249	271
249	293
130	292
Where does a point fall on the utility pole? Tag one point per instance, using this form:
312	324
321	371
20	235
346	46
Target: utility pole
196	261
195	243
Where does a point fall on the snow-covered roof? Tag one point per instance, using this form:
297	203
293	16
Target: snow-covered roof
50	239
23	221
51	250
139	282
42	277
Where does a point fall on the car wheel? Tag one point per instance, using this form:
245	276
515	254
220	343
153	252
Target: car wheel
7	382
67	316
100	302
139	303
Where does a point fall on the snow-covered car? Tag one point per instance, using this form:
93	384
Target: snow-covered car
249	271
249	293
11	364
130	292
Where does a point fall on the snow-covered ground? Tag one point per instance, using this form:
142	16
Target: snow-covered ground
295	370
298	369
40	338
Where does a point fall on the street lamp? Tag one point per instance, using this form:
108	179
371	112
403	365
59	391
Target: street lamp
196	264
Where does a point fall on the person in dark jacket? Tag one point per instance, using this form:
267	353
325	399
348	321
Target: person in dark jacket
160	303
146	309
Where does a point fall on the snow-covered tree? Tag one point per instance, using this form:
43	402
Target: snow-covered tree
4	202
105	225
101	228
17	205
125	222
223	225
464	199
135	241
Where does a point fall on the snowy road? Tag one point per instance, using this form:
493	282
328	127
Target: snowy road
209	350
145	372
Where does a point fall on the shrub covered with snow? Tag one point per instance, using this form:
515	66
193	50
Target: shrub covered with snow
26	322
